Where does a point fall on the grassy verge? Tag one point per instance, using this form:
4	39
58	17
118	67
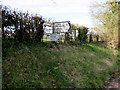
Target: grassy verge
32	65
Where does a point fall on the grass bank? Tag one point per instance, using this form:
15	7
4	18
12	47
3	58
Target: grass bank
32	65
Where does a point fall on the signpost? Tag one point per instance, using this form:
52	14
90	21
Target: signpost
53	31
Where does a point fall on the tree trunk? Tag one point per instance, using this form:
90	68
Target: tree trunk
91	38
3	32
119	25
97	38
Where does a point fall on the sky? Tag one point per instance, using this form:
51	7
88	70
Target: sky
75	11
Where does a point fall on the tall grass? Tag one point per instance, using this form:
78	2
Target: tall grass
33	65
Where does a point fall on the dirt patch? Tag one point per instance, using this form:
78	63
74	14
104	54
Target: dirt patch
114	82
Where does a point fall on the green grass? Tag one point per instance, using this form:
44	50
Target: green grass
32	65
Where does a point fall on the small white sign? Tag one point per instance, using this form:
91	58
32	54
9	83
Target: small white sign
53	37
48	28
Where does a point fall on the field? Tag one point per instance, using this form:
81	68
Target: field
33	65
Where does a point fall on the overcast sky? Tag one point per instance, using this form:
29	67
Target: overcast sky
75	11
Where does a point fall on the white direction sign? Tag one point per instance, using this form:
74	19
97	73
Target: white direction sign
57	27
48	28
62	27
53	37
53	31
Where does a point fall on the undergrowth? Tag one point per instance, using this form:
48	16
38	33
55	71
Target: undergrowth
34	65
